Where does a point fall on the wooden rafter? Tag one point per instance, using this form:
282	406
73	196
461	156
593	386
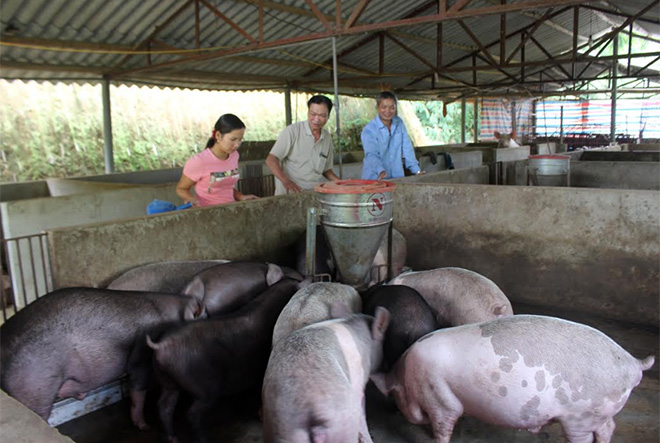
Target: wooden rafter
550	57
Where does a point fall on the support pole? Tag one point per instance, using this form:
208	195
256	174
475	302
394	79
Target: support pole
107	127
336	85
615	69
463	120
287	105
310	250
476	120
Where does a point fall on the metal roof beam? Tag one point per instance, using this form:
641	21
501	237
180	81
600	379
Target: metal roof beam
528	35
357	11
227	20
319	15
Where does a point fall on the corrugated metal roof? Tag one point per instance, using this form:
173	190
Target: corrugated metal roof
95	38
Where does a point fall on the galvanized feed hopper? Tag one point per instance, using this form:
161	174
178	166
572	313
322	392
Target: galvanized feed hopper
549	170
356	216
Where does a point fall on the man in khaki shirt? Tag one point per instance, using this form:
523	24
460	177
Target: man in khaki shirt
303	153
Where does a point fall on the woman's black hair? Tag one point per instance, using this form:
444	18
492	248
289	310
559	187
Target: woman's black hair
225	124
321	100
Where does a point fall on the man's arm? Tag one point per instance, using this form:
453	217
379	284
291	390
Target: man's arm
373	164
330	175
275	167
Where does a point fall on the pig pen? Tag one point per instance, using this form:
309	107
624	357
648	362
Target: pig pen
588	255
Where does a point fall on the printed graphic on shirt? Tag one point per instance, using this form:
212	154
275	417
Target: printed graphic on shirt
216	177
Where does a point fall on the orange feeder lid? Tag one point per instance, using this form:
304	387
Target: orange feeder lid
353	186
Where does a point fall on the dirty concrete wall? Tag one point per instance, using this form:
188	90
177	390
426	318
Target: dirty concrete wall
35	215
615	174
23	190
592	250
477	175
260	229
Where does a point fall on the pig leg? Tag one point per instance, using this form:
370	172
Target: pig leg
195	416
138	370
605	432
166	403
579	436
137	408
364	436
33	390
443	408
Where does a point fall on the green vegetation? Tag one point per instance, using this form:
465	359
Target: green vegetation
56	130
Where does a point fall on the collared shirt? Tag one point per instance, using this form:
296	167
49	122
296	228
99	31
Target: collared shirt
303	159
214	178
384	149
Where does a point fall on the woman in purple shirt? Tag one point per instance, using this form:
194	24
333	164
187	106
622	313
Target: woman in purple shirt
386	143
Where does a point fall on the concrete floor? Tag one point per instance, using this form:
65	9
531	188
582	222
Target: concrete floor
235	421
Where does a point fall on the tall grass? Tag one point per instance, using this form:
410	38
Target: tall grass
56	130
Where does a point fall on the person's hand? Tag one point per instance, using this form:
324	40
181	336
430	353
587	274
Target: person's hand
194	202
291	187
420	172
248	197
382	175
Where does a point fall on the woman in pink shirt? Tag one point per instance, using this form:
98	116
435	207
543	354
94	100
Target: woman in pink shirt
214	171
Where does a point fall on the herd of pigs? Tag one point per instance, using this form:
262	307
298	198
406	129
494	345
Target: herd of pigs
443	342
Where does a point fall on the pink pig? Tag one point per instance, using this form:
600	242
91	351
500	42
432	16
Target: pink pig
523	371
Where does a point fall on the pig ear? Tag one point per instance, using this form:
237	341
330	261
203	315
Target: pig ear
195	310
195	289
381	321
497	134
500	311
274	274
339	310
380	380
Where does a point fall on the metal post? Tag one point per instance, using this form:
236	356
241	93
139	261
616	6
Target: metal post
336	85
615	69
310	250
107	127
476	120
561	125
287	105
463	120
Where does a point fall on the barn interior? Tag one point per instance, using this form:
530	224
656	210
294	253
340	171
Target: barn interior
587	250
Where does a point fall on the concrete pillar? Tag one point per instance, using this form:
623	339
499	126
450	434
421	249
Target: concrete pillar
107	127
463	120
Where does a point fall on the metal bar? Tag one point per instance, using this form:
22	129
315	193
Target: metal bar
261	21
463	120
478	43
576	29
547	54
615	73
196	24
45	259
522	57
630	37
336	87
310	250
357	11
381	53
3	245
155	32
476	120
107	127
287	105
34	270
527	34
20	271
458	6
319	15
502	34
229	21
